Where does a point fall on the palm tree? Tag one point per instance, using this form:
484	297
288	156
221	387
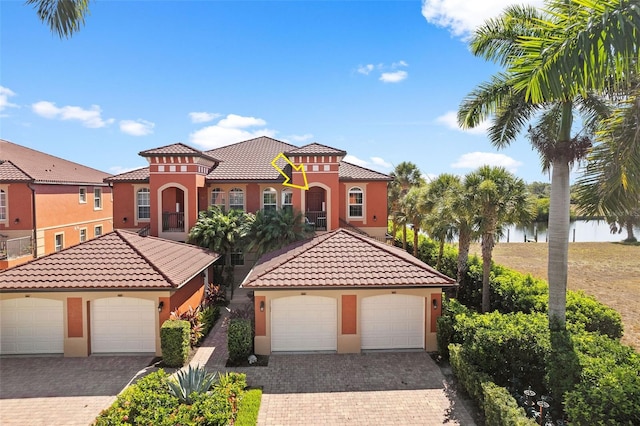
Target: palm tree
545	55
412	211
64	17
405	175
221	233
499	198
271	230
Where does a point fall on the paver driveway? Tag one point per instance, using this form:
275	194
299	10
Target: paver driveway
62	391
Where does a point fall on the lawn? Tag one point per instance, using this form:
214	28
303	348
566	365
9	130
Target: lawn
608	271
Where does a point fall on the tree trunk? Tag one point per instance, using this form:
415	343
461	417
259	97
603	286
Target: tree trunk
630	236
440	253
464	241
404	237
416	232
487	250
558	231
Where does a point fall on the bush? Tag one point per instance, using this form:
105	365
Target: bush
174	341
446	331
210	315
501	409
516	292
587	313
194	317
239	339
189	381
248	408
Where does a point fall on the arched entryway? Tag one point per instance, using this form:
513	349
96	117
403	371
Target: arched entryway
316	207
173	210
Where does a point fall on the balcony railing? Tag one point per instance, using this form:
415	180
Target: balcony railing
173	222
317	219
12	248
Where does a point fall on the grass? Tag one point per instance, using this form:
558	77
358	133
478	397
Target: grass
608	271
248	408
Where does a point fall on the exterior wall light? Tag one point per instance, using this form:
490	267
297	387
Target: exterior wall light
16	220
435	303
160	306
262	306
124	219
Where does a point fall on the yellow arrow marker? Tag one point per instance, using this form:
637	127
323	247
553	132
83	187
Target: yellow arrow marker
287	179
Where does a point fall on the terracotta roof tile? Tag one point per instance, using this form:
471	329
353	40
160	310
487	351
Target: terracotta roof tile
9	172
350	171
248	160
342	258
45	168
316	149
119	259
175	149
138	175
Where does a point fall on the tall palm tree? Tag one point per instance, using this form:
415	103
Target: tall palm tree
412	212
499	199
405	175
64	17
222	233
544	54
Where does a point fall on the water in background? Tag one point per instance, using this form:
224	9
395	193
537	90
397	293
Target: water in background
580	231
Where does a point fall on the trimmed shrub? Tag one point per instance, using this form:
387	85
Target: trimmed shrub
516	292
239	339
174	341
248	408
210	315
446	331
586	312
470	378
501	409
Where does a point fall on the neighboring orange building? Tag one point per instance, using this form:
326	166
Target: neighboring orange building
47	204
164	199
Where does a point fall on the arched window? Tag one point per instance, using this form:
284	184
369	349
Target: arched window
287	200
269	199
143	202
236	199
217	198
3	205
356	202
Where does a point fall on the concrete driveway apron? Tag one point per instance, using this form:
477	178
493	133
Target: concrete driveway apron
62	391
374	388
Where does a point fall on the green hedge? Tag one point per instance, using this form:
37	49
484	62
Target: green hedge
499	407
174	339
239	339
445	325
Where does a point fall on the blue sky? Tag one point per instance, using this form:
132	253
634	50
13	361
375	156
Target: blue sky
381	80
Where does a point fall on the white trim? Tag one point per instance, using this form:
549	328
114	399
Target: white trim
80	195
136	189
244	197
55	241
86	222
5	189
86	234
97	198
101	231
364	213
270	190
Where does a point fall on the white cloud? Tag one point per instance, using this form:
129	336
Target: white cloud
376	163
116	170
450	120
429	177
473	160
137	127
203	117
461	17
393	77
365	69
301	138
5	94
399	64
233	128
88	117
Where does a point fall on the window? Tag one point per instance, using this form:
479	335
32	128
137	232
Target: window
217	198
237	258
97	199
270	199
355	202
287	200
83	235
97	231
3	205
82	195
143	201
236	199
59	242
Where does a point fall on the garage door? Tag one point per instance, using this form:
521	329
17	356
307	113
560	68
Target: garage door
123	324
304	323
30	325
392	321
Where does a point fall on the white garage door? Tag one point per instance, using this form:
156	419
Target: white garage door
123	324
30	325
304	323
392	321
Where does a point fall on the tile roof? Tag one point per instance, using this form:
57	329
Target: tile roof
175	149
9	172
45	168
316	149
350	171
248	160
340	259
117	260
138	175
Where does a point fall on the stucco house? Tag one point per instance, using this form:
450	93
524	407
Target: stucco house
107	295
48	203
346	292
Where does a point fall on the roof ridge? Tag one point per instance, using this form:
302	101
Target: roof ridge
365	168
252	139
121	233
129	171
19	168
